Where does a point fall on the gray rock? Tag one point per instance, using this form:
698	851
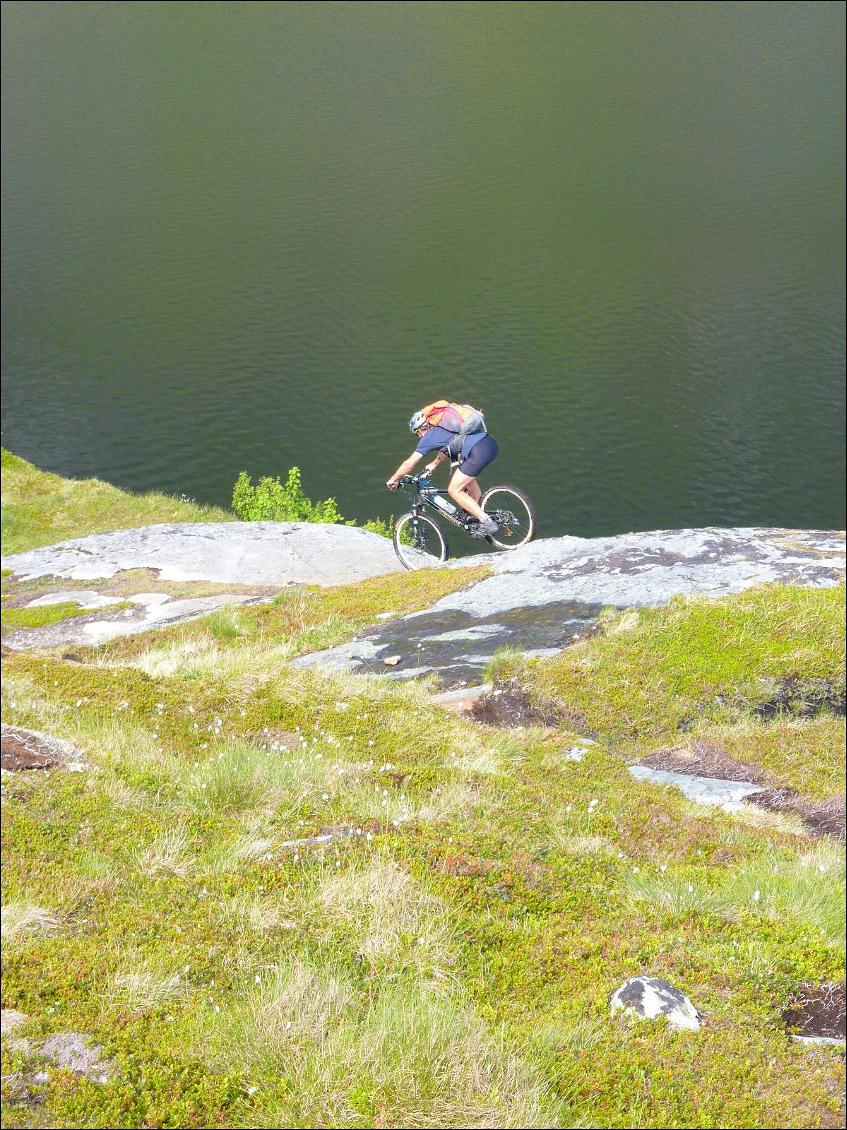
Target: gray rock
728	795
544	595
155	610
77	1053
82	597
10	1020
647	998
639	569
272	553
454	643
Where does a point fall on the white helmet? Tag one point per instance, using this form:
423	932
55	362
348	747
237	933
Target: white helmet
417	421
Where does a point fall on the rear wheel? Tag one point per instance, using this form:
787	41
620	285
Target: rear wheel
514	514
419	542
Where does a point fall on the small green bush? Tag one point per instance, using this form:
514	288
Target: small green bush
272	501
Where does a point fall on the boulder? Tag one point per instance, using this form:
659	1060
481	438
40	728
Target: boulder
647	998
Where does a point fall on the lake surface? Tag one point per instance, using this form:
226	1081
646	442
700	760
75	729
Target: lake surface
244	236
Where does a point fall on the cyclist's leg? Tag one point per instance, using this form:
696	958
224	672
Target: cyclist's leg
465	492
464	488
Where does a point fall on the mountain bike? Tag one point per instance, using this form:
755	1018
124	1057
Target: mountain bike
419	540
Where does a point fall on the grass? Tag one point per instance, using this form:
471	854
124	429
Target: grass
698	669
445	960
40	508
13	618
284	897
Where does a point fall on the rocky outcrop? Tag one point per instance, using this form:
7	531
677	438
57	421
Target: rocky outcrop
634	570
648	998
538	598
273	553
546	594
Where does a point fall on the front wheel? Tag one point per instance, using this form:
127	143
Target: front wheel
514	514
418	541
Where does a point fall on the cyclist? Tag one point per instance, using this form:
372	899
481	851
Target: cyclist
469	455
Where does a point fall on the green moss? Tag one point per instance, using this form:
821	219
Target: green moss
43	616
40	508
659	667
40	617
443	952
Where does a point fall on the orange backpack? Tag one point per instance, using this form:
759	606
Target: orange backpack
463	419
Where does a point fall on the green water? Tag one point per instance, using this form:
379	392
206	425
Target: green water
249	235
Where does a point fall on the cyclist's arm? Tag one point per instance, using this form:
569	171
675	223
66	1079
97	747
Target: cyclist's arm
440	458
404	468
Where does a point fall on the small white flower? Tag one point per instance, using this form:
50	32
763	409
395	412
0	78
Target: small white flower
757	895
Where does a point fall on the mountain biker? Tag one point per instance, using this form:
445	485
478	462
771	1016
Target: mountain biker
469	454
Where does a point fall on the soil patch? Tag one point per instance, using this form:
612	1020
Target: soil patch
802	698
822	818
510	705
818	1010
25	749
275	739
704	759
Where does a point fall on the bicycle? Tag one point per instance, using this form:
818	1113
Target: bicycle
419	540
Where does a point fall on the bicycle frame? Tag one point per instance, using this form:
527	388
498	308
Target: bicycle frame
421	494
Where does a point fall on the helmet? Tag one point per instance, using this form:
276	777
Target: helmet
417	421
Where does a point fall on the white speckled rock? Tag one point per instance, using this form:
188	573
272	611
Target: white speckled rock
632	570
647	998
272	553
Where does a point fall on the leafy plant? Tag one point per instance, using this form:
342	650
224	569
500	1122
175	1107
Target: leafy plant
271	500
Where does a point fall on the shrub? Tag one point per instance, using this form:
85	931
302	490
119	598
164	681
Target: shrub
272	501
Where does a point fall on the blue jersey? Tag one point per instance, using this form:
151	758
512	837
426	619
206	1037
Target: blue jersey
440	439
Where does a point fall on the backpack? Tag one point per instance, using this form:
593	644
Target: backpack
463	419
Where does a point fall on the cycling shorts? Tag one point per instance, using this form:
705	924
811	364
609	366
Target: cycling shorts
483	452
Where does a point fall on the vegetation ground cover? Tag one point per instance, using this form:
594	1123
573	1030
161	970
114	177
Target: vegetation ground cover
446	958
40	508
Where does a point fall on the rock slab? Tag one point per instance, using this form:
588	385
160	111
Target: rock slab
261	553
